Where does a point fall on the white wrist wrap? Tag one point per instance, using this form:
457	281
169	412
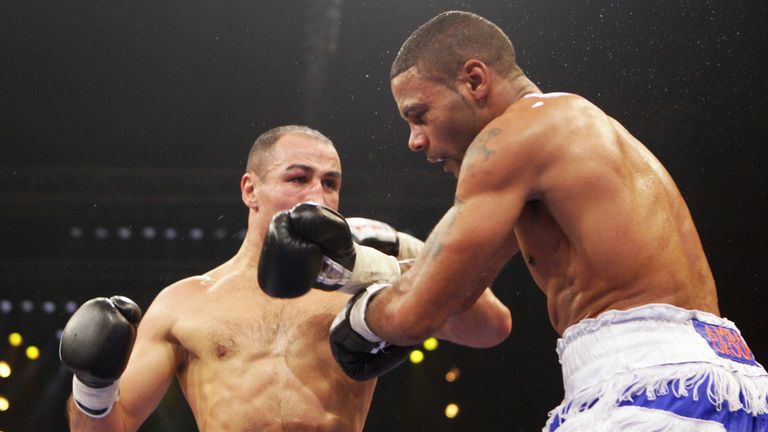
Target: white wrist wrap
371	266
357	315
409	246
95	399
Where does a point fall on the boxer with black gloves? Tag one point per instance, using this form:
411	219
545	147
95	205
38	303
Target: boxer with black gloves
244	360
96	344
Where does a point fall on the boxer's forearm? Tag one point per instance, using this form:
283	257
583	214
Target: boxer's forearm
81	422
487	323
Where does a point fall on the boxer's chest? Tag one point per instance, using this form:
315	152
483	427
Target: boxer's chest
247	328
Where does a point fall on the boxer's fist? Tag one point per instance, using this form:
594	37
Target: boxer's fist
288	264
360	353
308	245
327	229
98	339
311	245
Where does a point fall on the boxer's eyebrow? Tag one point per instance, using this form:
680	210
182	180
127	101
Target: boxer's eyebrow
411	109
307	168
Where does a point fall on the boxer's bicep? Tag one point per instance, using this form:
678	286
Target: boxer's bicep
460	259
151	368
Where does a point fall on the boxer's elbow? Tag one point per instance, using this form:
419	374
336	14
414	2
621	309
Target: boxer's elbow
498	331
409	327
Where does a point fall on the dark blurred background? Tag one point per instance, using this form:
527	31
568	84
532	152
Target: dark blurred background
124	128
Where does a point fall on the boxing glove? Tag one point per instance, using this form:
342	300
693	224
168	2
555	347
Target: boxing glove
385	238
311	245
288	265
96	344
359	352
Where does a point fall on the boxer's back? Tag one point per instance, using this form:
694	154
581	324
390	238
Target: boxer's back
610	229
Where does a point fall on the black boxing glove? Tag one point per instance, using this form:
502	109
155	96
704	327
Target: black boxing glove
289	264
383	237
359	352
96	344
311	245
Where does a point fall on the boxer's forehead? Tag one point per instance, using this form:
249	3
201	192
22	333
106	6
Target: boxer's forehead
296	150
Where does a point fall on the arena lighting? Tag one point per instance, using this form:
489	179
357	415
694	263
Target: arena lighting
124	233
149	232
430	344
5	369
451	410
453	374
416	356
170	233
6	306
76	232
4	404
15	339
70	307
27	306
196	234
49	307
100	233
33	352
219	234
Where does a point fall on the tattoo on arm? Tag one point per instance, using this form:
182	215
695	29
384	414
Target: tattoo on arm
435	245
479	148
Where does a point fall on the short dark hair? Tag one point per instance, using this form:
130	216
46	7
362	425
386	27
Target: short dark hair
441	46
266	141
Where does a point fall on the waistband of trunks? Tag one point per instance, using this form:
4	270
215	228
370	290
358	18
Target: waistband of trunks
620	342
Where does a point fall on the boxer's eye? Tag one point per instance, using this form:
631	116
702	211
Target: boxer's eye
331	184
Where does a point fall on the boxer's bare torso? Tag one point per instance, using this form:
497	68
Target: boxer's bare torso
607	228
598	220
247	362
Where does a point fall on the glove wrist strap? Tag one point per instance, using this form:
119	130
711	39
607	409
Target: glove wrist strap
371	266
409	246
357	313
94	402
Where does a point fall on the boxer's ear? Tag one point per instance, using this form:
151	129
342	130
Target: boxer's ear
249	185
476	77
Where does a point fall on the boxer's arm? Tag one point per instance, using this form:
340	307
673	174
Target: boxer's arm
487	323
149	372
470	244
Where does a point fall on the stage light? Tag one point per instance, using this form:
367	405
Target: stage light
416	356
76	232
70	307
124	233
149	232
33	352
451	410
49	307
6	306
27	306
430	344
453	374
5	369
15	339
170	233
219	234
4	404
100	233
196	234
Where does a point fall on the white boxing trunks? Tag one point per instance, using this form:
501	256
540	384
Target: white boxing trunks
659	368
